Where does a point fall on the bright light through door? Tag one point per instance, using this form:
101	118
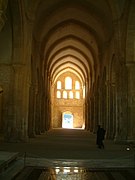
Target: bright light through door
67	121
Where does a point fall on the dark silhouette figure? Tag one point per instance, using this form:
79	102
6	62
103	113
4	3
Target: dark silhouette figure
100	137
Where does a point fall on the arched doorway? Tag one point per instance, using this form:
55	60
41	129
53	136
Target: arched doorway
67	120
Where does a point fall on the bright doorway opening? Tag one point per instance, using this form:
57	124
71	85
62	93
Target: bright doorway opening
67	120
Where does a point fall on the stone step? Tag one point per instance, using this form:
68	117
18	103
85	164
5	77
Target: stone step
12	170
25	173
6	159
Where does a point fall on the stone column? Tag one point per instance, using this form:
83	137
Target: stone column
111	116
31	119
1	110
92	114
37	114
88	113
131	102
21	101
113	87
122	118
96	120
103	106
49	118
41	103
43	114
45	99
17	122
47	102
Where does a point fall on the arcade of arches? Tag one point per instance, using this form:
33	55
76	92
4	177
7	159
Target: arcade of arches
90	44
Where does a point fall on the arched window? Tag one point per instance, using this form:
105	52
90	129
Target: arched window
77	95
68	83
58	84
71	95
77	85
65	94
58	94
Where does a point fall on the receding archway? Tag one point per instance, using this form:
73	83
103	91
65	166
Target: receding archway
68	102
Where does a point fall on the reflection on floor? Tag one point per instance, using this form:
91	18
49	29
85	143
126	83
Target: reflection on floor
76	173
14	166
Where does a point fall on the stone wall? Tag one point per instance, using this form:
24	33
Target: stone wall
74	106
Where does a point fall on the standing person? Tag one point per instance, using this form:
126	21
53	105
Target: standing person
100	137
98	141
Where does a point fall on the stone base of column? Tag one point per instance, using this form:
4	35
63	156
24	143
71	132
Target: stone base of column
124	141
15	139
13	134
32	135
131	141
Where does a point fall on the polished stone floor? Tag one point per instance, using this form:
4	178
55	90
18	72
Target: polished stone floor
78	173
73	154
68	144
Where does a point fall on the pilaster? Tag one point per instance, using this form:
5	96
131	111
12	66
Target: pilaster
18	121
131	101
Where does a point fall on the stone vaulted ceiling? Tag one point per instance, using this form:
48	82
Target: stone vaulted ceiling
71	36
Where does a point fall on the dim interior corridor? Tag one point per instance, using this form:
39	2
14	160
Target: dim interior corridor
67	63
72	152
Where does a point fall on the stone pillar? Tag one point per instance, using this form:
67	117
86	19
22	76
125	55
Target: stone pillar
37	114
47	101
111	113
122	118
1	110
43	114
17	122
103	107
87	110
20	101
96	120
31	119
131	102
86	114
42	102
92	114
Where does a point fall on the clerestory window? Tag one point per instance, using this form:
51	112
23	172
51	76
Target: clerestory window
77	95
58	94
77	85
65	94
68	83
71	89
71	96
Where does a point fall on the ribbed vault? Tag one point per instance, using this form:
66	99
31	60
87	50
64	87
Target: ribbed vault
71	36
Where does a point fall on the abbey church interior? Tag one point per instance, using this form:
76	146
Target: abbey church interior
67	64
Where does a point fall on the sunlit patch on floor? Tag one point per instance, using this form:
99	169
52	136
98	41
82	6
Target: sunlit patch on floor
74	173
